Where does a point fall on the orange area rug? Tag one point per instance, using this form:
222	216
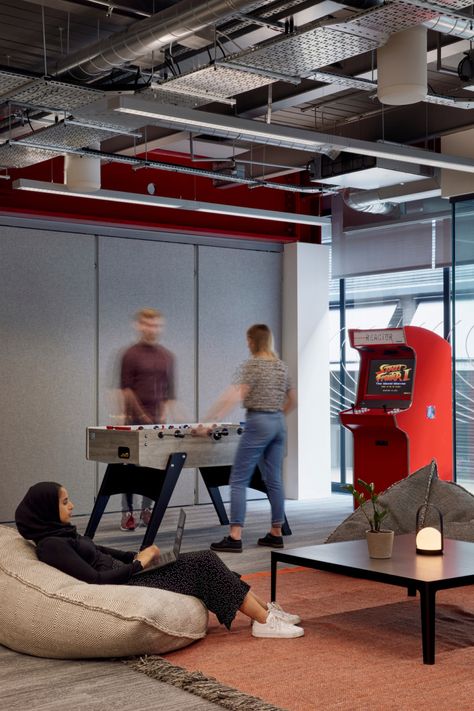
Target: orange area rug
361	649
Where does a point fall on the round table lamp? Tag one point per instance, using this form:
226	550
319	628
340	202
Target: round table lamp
429	530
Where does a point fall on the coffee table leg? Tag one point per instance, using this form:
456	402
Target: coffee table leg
428	612
274	563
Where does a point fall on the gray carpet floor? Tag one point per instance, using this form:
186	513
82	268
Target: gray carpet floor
89	685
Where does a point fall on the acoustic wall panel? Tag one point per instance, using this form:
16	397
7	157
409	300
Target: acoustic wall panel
136	273
237	288
47	363
68	301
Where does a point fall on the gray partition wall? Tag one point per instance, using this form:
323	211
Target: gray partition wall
47	362
143	273
237	288
68	302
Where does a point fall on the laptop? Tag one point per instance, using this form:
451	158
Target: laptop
172	555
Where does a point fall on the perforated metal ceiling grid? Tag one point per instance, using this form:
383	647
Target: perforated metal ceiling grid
387	19
299	55
14	156
216	81
321	46
46	93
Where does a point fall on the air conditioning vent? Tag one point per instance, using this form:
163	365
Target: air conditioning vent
365	172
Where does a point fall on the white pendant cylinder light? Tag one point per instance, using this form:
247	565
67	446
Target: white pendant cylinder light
82	172
402	75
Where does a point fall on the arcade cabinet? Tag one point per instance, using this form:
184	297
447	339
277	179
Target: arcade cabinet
402	417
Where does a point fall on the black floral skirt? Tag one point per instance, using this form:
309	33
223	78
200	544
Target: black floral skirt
203	575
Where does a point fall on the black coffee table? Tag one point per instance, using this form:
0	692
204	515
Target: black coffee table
405	568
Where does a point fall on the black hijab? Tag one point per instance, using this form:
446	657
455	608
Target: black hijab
37	515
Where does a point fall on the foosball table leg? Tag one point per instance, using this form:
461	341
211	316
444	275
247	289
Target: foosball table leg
216	499
172	472
99	508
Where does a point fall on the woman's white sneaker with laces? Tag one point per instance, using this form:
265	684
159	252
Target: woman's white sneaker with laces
285	616
276	627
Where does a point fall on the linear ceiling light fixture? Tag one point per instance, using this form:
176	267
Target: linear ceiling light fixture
157	201
197	120
282	136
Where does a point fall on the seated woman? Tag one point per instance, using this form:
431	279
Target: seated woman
44	516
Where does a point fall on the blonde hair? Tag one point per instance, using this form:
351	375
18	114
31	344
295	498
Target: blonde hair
260	339
148	313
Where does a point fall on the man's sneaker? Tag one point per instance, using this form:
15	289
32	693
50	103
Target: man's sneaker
227	545
276	627
285	616
128	522
145	517
271	541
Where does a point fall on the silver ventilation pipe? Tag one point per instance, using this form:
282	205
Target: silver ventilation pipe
383	201
155	32
453	26
367	201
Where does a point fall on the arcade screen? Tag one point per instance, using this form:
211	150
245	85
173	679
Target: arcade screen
390	378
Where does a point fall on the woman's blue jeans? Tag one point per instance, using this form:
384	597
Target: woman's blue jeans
264	437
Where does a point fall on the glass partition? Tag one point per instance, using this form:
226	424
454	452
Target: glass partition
463	340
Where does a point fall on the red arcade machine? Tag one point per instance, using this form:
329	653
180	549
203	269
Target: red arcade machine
402	418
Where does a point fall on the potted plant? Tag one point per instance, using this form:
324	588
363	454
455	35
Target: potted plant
379	540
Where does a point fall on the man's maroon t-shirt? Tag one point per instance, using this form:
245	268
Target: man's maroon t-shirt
148	370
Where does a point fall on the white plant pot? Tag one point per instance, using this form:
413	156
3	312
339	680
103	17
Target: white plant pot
380	543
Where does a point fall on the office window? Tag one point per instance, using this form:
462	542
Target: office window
463	339
376	301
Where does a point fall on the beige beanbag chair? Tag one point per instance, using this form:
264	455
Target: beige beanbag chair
47	613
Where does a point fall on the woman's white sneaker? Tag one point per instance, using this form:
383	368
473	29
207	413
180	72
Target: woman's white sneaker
285	616
276	627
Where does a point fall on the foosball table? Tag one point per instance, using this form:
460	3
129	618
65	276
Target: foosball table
148	459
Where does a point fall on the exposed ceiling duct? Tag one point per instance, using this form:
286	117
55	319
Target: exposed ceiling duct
402	75
370	203
462	27
385	200
149	35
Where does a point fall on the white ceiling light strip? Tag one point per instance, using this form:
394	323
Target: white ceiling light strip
157	201
283	136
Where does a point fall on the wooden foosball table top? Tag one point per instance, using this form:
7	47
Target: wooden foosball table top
205	444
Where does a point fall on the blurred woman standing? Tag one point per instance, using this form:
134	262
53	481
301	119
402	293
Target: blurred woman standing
263	385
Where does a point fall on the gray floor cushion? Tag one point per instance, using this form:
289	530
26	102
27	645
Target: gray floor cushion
47	613
403	500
